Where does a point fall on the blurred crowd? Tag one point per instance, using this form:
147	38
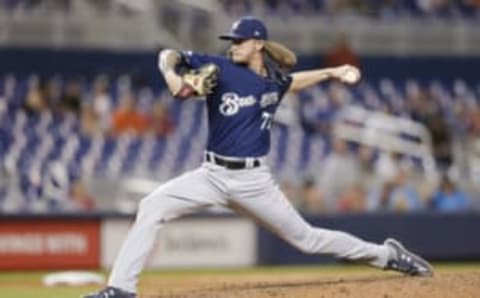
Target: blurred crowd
362	180
357	177
132	112
27	7
385	9
340	177
59	133
121	126
47	129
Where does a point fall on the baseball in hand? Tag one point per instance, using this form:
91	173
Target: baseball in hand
350	74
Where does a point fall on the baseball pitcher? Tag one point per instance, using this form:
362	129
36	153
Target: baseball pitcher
242	92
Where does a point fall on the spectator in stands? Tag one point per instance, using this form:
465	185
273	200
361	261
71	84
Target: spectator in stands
315	112
425	108
449	198
342	53
80	198
472	149
366	156
378	197
236	7
35	102
71	101
420	103
396	195
52	91
159	123
339	172
311	201
334	7
404	196
353	200
441	141
468	158
127	119
387	9
387	166
339	96
318	110
434	7
102	102
470	6
390	8
89	121
474	121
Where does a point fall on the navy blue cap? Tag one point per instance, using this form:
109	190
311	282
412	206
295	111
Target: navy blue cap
246	28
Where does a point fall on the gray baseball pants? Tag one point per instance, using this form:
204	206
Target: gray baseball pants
250	191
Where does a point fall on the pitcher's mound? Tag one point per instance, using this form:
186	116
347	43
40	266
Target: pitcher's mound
311	285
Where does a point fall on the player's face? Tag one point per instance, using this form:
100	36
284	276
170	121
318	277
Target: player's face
242	51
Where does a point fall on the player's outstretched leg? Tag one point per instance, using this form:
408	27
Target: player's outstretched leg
272	209
167	202
153	212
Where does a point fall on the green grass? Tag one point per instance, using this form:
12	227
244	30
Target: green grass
29	284
38	292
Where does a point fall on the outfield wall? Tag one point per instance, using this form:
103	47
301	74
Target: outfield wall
436	236
92	241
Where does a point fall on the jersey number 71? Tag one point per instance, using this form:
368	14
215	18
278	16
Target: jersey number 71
266	121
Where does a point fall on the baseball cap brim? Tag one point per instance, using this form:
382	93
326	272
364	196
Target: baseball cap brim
231	36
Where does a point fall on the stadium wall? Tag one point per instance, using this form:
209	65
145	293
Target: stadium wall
92	241
434	236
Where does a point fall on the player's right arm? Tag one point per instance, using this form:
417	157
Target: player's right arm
199	80
305	79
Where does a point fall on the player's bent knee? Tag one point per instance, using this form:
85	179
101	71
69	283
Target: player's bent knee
145	204
148	209
157	208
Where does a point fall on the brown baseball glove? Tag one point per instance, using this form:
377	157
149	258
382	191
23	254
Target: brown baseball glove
200	81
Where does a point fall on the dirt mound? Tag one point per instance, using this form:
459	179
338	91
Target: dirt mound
382	285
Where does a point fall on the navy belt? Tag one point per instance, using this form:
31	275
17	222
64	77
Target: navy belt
231	164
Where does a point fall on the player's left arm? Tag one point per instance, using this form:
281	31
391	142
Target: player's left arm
304	79
198	82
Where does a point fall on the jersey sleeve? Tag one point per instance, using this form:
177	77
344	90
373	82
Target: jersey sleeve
281	79
195	60
284	84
